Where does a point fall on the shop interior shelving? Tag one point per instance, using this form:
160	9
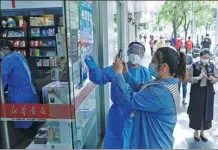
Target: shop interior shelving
34	40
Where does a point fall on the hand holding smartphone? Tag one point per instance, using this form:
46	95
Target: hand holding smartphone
119	55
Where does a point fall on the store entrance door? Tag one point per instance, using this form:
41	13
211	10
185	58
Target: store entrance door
4	138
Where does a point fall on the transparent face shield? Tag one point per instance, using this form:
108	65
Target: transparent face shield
136	49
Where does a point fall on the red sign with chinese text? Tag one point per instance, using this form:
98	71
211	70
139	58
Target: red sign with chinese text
44	111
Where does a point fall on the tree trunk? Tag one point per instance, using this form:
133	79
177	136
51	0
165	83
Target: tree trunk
206	28
185	28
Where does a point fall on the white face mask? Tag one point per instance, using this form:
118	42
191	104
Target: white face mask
204	61
134	59
183	50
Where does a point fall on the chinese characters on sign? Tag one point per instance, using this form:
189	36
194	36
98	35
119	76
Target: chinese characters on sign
35	112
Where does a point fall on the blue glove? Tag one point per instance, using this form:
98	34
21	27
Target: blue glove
90	62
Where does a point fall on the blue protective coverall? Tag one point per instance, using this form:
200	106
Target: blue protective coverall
155	114
17	76
119	120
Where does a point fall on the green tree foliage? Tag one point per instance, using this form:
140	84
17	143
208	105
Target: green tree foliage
178	13
205	16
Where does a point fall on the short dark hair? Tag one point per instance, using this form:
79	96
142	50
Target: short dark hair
205	51
175	60
207	34
189	37
6	44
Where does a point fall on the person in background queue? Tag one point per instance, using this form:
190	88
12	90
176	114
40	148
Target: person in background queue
173	42
202	76
206	42
119	120
178	43
155	103
16	78
184	84
151	43
161	42
189	44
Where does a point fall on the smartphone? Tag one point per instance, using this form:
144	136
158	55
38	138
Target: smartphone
119	55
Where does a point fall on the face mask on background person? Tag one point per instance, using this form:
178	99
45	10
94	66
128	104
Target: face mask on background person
152	70
204	61
134	59
183	50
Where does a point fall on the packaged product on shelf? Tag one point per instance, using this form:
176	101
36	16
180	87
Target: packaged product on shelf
11	22
43	129
37	21
44	43
40	138
32	43
40	43
53	132
10	33
20	34
16	43
36	43
35	32
50	43
44	32
32	52
22	44
5	33
39	63
50	32
53	43
53	62
43	53
37	52
49	20
20	22
46	62
57	93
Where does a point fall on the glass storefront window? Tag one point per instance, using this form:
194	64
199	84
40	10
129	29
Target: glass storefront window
79	23
35	105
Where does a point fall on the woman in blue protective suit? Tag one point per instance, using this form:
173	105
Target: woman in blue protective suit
16	78
119	120
156	103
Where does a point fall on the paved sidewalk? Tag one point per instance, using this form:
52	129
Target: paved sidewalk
214	130
184	135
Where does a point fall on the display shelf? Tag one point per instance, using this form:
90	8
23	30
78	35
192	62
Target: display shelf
13	27
42	56
49	47
41	26
37	146
35	31
41	37
20	47
15	37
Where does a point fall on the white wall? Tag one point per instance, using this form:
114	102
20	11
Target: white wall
112	36
131	28
6	4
